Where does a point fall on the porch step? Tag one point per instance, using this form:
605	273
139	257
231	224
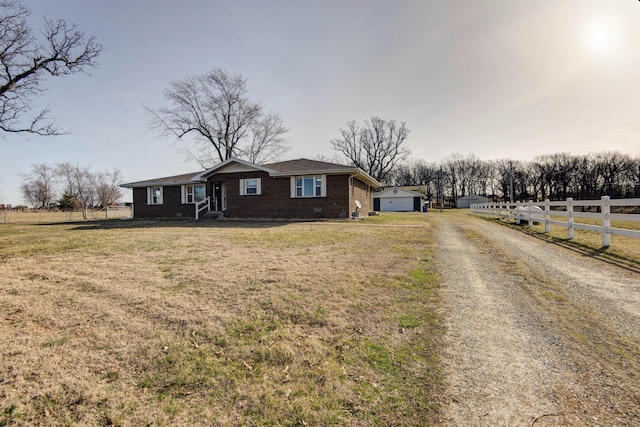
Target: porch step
211	215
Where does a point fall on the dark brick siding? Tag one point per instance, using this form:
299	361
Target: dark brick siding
274	201
171	206
362	193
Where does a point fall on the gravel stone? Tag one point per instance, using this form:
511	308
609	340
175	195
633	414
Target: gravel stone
537	334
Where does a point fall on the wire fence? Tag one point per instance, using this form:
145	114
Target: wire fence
43	216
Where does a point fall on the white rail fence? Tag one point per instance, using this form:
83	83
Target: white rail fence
541	212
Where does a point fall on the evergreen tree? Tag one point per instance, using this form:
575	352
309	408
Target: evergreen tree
68	203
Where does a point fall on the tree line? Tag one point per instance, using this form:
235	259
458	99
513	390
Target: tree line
553	176
70	187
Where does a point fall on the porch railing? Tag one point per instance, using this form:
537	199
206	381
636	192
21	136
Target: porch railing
204	204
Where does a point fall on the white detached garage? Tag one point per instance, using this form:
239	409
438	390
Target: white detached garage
397	200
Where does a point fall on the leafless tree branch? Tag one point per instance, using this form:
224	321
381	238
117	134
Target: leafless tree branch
24	62
376	148
215	110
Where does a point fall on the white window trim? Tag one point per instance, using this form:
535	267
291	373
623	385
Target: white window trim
185	194
243	186
150	195
323	186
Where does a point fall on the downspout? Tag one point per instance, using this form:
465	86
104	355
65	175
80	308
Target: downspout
349	211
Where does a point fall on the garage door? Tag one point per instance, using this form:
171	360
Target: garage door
397	204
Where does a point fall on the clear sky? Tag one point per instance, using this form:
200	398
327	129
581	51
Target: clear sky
498	79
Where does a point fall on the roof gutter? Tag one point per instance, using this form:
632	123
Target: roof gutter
366	178
356	172
144	184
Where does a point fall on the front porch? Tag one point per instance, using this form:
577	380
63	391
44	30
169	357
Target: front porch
208	208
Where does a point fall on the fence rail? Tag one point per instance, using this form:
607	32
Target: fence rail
541	212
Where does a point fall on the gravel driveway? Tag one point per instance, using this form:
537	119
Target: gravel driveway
537	334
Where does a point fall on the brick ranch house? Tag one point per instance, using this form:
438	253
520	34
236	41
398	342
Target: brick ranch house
239	189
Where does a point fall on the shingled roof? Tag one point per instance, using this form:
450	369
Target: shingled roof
168	180
278	169
305	165
315	167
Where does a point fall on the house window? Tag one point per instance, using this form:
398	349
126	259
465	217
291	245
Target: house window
193	193
250	187
308	186
154	195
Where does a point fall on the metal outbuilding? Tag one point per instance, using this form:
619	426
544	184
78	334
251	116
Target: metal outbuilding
467	201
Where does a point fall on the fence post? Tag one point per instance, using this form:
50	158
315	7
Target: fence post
606	222
570	227
530	213
547	215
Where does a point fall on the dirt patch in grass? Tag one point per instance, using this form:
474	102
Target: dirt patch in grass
179	323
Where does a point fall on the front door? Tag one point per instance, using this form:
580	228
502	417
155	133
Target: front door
220	194
216	196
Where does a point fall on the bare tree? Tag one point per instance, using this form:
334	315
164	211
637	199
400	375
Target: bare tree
376	148
635	173
427	174
564	167
613	167
26	61
451	168
554	176
401	175
215	110
585	184
542	169
267	143
80	183
471	175
107	187
531	182
508	172
336	158
38	187
440	183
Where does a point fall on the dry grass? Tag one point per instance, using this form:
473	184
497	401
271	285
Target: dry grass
43	216
623	249
180	323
